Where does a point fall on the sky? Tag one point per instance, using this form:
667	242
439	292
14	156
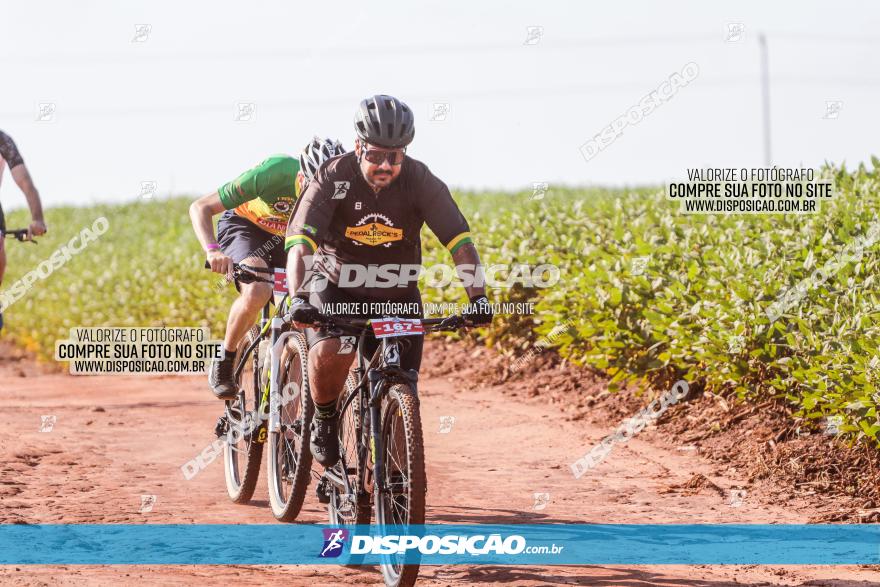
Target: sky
190	94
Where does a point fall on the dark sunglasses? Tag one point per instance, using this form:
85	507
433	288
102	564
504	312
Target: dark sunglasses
377	157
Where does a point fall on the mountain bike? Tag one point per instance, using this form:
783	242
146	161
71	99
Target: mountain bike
382	454
273	406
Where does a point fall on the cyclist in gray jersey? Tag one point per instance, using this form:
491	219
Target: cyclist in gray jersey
10	157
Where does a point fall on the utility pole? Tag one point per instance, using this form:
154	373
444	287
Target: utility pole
765	91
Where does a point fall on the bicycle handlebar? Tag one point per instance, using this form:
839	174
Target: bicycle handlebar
449	323
21	235
247	274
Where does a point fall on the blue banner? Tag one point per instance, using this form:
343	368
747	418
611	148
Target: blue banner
441	544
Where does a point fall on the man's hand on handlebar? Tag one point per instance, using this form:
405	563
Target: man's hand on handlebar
37	228
302	313
220	263
479	311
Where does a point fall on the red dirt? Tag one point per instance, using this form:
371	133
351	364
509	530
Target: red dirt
510	440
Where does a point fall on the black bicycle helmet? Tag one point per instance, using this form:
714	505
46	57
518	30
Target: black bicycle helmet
315	153
385	121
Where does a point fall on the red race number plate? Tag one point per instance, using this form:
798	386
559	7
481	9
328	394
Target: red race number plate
387	327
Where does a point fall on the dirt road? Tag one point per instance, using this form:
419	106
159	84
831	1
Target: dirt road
115	439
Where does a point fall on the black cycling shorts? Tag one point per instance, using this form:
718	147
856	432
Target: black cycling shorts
2	221
324	292
239	238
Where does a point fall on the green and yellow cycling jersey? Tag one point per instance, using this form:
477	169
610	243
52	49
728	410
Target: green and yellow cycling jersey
265	194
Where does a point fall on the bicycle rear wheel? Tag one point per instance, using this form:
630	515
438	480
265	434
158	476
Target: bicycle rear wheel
243	451
289	460
403	452
351	507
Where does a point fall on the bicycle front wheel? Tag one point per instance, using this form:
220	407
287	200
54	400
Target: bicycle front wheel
243	450
289	461
350	505
403	451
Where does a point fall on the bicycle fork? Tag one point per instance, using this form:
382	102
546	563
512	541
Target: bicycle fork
378	382
278	340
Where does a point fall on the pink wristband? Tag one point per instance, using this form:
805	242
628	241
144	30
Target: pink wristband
212	246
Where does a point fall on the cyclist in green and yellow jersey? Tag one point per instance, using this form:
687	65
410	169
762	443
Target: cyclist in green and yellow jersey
255	208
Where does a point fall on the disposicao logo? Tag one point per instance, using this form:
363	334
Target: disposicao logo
333	542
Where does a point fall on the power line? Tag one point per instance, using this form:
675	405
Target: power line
507	93
138	52
765	97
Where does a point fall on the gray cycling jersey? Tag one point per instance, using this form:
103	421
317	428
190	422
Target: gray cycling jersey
9	151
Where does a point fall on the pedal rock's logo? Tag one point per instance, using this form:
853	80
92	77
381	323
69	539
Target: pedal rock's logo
373	230
341	190
334	539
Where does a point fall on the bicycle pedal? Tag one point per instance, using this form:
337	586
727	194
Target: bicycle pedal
221	427
323	491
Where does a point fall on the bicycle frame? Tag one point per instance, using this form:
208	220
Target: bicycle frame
372	388
278	332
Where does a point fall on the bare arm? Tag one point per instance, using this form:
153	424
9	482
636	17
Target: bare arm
201	214
26	184
299	268
467	256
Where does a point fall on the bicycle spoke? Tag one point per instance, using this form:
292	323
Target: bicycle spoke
395	471
349	503
287	448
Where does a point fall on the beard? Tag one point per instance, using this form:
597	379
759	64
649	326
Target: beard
381	179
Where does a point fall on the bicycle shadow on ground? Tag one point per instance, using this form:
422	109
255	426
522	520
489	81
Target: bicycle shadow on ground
257	503
491	516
